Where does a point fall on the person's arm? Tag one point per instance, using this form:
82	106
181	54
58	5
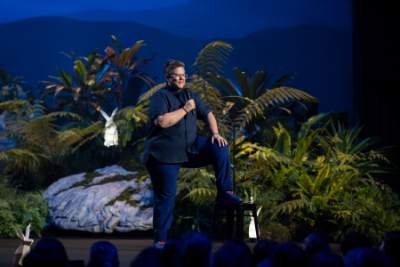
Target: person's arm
212	124
171	118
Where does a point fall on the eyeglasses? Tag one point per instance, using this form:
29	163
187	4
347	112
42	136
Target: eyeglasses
176	76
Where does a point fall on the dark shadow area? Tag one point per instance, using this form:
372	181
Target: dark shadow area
376	71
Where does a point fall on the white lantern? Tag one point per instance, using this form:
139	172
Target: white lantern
252	226
111	133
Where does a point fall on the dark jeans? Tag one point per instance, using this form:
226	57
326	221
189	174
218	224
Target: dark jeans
164	180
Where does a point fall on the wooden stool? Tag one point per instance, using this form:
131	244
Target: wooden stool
230	209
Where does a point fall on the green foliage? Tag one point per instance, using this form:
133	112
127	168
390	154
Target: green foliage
251	100
98	82
196	192
305	182
18	209
342	151
41	144
129	118
198	185
275	231
10	86
368	210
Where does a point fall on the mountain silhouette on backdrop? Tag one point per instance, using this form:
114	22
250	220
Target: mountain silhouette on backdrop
319	57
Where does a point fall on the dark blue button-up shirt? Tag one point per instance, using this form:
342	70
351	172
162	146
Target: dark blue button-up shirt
172	144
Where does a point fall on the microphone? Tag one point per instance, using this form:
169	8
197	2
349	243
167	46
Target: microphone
188	95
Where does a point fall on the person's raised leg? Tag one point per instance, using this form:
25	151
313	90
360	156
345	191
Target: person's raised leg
219	157
164	180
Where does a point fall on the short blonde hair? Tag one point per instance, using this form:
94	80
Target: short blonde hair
172	64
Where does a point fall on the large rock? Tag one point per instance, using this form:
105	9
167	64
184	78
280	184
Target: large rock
93	207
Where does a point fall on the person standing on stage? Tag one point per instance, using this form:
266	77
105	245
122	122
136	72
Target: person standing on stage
172	142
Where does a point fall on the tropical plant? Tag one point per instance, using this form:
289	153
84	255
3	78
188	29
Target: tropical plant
10	86
196	191
341	150
129	119
18	209
98	82
368	210
41	143
126	65
250	98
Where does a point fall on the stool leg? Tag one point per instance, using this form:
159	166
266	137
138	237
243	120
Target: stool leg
230	223
240	222
212	223
256	224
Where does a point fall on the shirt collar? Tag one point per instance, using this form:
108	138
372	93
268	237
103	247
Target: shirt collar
174	92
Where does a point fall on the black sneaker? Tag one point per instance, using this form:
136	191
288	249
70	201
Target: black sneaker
228	197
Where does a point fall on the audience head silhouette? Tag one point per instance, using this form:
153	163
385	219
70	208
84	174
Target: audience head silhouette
264	263
195	250
326	259
150	257
49	251
288	254
263	250
103	253
354	240
170	254
234	253
366	257
391	246
314	244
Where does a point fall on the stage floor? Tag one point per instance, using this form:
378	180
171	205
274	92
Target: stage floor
79	248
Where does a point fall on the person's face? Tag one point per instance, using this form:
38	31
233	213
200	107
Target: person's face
176	79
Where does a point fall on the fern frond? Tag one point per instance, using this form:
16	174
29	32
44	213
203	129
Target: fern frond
23	160
288	206
285	159
344	168
64	114
146	96
14	106
271	98
40	129
207	60
214	101
125	112
21	138
93	131
3	156
201	195
71	135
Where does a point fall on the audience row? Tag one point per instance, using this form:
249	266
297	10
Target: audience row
194	250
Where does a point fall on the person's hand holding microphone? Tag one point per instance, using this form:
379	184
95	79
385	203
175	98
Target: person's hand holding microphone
189	106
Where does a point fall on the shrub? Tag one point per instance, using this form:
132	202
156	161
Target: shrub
18	209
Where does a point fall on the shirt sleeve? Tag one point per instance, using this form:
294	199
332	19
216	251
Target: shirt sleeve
201	108
158	106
